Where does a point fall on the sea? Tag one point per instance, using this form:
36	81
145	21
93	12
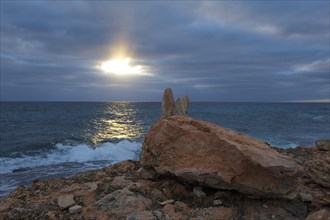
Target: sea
43	140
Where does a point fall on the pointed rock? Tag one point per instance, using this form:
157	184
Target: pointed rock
182	105
168	103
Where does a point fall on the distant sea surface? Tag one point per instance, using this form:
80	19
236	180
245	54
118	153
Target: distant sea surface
41	140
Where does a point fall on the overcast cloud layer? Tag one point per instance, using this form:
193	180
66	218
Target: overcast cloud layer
210	50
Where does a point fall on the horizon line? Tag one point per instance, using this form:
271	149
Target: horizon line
99	101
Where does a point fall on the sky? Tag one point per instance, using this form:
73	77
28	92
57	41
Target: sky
227	51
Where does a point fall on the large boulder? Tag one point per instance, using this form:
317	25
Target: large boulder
208	154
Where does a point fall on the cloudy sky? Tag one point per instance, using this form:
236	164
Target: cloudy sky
209	50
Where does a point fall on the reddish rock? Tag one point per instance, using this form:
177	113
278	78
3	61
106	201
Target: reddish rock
222	213
203	152
168	104
123	202
319	215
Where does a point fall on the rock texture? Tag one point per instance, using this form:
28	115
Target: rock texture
323	145
65	201
182	105
305	156
318	168
168	104
118	192
198	151
319	215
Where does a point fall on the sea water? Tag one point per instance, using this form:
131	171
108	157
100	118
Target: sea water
41	140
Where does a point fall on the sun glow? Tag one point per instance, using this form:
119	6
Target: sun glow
121	67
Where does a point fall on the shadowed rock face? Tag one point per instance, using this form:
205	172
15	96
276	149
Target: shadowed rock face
168	103
203	152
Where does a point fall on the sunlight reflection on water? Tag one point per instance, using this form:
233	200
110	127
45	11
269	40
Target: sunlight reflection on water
119	121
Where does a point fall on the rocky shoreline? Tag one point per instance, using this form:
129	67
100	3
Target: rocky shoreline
188	169
128	191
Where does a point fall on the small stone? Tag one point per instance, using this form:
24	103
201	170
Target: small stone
273	216
167	202
198	192
305	197
323	145
65	201
323	214
75	209
217	202
265	206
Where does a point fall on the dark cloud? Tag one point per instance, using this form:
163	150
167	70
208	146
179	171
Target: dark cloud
211	50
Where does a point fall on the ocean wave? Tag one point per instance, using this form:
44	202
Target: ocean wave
80	153
313	117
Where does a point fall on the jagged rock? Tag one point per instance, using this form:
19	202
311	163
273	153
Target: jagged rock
65	201
203	152
168	103
182	105
319	215
323	145
318	168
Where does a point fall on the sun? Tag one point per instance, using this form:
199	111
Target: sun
121	66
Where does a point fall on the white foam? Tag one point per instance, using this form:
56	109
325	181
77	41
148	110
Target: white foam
313	117
81	153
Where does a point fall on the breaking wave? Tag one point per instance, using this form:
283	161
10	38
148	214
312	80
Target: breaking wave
106	152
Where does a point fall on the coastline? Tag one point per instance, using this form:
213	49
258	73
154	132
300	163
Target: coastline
127	191
188	169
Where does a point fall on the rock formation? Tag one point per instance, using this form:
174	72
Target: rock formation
169	108
168	103
207	154
182	105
